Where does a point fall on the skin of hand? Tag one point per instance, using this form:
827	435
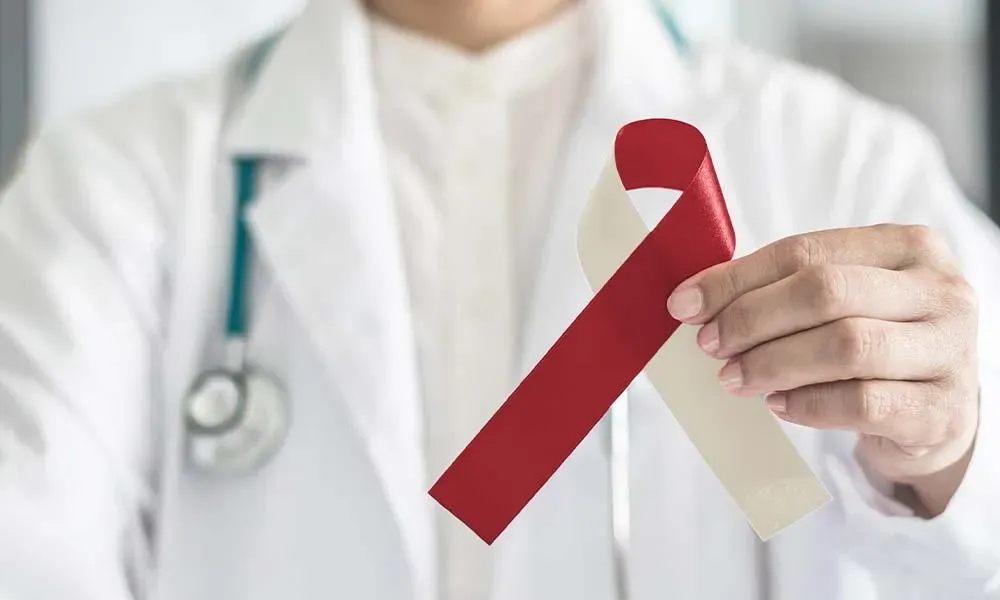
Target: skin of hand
871	330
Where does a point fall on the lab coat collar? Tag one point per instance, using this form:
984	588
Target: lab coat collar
311	93
313	87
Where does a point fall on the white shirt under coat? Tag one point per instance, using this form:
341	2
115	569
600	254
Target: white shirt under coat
470	141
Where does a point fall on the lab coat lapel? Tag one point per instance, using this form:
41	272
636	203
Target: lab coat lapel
327	232
327	236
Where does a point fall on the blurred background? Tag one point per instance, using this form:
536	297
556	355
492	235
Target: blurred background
935	58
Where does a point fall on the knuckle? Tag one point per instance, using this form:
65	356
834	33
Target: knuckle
931	419
873	402
968	353
940	427
719	289
758	368
919	237
854	343
796	253
961	296
735	323
956	411
951	355
956	422
808	405
955	325
925	241
731	284
826	288
812	408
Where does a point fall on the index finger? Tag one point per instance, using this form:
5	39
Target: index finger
894	247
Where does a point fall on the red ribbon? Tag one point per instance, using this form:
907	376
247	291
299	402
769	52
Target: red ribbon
608	344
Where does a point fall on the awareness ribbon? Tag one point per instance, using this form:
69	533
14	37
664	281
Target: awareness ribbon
624	330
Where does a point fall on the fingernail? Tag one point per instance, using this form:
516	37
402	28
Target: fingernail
777	402
731	376
708	337
685	303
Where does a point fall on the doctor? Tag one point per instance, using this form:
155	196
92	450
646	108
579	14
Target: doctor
403	180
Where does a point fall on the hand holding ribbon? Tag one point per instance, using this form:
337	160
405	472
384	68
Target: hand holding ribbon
868	329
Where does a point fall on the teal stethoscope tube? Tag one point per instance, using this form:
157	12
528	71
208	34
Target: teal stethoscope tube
237	416
670	25
246	170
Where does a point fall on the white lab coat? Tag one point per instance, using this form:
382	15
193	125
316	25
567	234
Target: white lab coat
114	244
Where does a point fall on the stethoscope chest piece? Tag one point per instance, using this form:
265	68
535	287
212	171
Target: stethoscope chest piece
235	421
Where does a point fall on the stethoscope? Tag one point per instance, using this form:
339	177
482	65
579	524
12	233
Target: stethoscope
237	416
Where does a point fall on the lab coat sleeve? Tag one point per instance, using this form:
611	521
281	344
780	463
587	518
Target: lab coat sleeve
78	330
893	171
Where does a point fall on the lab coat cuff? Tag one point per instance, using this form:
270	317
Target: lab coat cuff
959	545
